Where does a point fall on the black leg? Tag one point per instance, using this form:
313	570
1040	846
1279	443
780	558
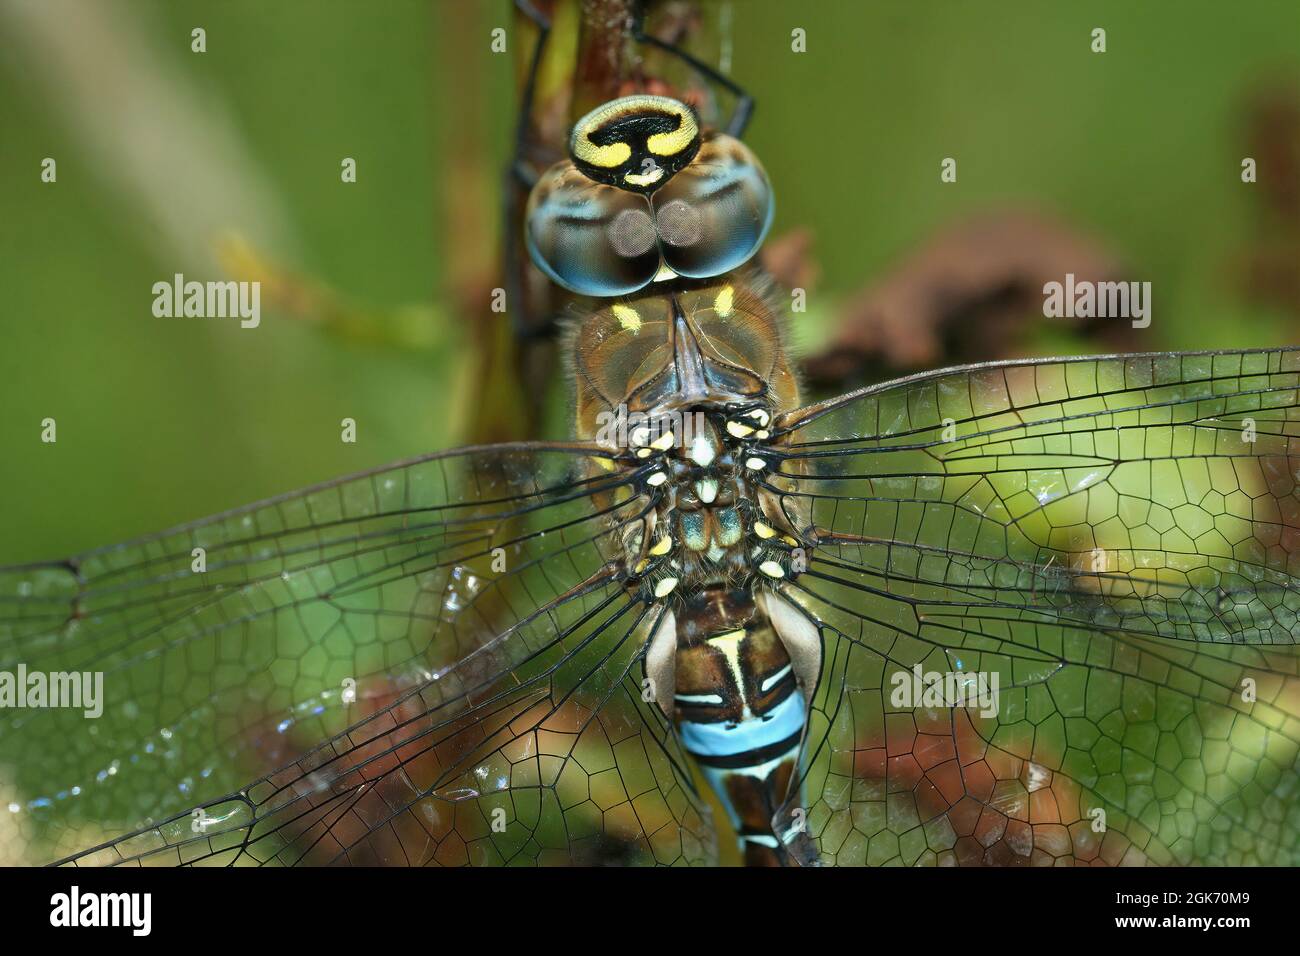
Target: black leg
744	108
518	168
519	180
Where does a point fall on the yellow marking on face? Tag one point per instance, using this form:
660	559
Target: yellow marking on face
606	157
628	317
679	140
762	530
650	178
662	546
725	301
616	154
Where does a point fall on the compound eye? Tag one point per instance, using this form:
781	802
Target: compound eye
712	216
590	238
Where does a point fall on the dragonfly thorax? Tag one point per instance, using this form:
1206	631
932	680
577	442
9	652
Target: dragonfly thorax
702	472
683	389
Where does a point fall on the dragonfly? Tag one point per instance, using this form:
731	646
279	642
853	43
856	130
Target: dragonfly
1026	612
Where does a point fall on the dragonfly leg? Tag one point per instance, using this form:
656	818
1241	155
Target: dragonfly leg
518	168
521	176
744	108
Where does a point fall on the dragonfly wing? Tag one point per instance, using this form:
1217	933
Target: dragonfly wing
1116	543
428	663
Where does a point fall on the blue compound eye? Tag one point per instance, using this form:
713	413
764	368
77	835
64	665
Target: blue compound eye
591	238
599	224
712	216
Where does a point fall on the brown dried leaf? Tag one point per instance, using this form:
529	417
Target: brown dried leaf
972	293
788	259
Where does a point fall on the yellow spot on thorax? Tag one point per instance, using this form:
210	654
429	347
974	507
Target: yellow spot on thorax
725	301
628	317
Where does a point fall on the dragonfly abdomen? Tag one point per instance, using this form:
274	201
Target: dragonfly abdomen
739	711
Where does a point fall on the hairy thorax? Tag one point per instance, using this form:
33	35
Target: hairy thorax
714	519
691	421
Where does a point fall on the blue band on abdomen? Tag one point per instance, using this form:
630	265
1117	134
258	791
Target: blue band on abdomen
724	740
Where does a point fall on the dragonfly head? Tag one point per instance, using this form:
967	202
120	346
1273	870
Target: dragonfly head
636	143
646	195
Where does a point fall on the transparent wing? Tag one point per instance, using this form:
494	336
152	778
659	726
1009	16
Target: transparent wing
428	663
1116	542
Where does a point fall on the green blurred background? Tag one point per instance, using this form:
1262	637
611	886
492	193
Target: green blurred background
161	150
